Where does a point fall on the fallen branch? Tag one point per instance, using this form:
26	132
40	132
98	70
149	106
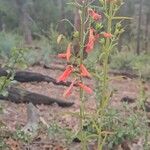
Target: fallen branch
26	76
18	95
53	67
125	73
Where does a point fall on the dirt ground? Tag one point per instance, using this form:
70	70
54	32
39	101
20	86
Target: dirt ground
15	114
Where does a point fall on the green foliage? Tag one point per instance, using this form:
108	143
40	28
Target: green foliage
44	13
4	83
16	58
122	61
127	128
22	136
9	14
7	42
126	125
57	132
57	48
3	146
130	62
142	65
92	59
47	46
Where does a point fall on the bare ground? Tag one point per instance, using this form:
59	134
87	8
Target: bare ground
15	114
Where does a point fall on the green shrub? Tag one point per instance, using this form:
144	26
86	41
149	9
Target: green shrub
142	65
129	61
57	48
127	128
47	45
126	125
7	42
122	61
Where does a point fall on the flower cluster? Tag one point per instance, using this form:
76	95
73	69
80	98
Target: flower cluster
94	15
80	70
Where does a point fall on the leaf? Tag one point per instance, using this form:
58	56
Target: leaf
59	38
4	93
118	18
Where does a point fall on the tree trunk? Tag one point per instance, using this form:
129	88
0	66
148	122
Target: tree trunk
25	76
139	28
147	32
18	95
25	25
24	21
61	26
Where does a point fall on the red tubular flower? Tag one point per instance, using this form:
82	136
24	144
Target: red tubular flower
84	71
91	40
68	52
91	34
86	88
66	55
97	36
66	74
107	35
89	46
63	55
94	15
68	91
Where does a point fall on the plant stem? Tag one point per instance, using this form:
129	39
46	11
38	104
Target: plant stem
82	116
106	58
104	91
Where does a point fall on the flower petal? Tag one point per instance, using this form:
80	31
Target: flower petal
84	71
89	46
94	15
62	55
66	74
91	40
107	35
86	88
68	91
68	52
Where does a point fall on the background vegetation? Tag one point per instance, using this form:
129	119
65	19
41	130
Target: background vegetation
29	30
36	24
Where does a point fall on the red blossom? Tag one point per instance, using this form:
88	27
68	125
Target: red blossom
94	15
68	52
91	40
84	71
97	36
107	35
66	55
62	55
86	88
66	74
69	90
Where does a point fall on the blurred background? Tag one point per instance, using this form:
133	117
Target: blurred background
36	24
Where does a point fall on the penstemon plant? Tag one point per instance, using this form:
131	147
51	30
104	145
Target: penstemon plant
94	27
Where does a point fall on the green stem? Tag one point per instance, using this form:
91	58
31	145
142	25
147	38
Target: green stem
104	91
82	116
105	62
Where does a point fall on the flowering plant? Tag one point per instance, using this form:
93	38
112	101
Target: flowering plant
90	32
